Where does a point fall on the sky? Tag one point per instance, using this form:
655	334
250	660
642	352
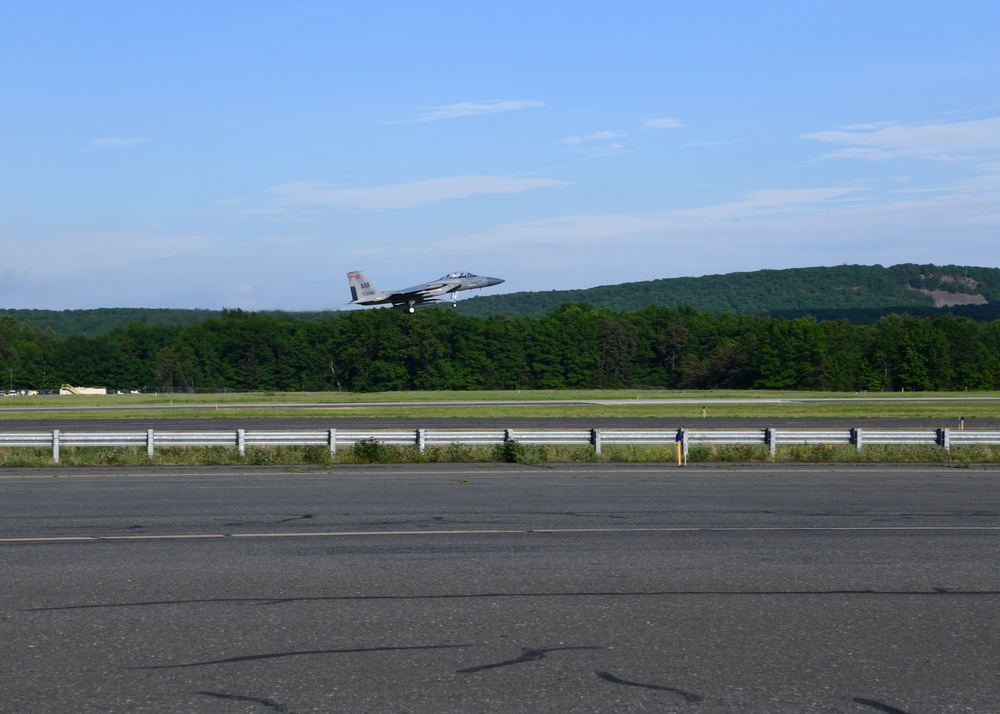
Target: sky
249	154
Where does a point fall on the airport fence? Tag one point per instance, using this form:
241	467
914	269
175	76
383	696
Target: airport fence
598	438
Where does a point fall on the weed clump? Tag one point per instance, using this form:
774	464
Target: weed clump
514	452
373	451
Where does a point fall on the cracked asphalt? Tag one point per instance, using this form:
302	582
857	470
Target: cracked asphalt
495	588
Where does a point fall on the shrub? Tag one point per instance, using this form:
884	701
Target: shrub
369	451
373	451
513	452
261	456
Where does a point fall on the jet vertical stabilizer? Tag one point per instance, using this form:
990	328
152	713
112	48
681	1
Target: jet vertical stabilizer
362	291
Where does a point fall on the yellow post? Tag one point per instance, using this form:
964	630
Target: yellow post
679	454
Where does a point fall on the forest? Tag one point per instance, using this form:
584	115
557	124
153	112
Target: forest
846	290
575	346
859	293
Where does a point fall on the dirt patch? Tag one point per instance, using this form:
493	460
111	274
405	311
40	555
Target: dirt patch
943	298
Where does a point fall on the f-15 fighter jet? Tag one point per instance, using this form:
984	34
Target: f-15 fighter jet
409	299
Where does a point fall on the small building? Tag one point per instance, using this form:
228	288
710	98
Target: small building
70	389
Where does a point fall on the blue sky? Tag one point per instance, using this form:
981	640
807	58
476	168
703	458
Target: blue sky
249	154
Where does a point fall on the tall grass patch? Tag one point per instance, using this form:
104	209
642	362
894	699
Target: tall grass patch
514	452
729	452
373	451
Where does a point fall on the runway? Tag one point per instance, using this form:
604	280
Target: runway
166	423
500	588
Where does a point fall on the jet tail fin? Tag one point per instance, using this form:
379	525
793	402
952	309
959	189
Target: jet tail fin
361	288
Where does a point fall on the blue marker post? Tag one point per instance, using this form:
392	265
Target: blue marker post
961	423
679	440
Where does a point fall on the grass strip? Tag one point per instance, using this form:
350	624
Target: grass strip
373	452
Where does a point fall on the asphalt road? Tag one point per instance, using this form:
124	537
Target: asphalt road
162	423
495	588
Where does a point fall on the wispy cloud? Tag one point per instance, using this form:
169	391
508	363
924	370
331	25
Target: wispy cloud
11	280
662	123
957	229
118	142
600	143
100	249
605	229
939	140
597	136
405	195
241	296
469	109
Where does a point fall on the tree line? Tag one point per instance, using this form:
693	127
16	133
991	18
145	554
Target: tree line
576	346
841	288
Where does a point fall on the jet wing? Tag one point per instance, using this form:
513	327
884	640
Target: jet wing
419	292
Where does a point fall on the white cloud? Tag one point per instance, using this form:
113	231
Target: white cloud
600	143
103	249
11	280
597	136
469	109
768	229
242	297
940	140
610	228
118	142
282	240
664	123
405	195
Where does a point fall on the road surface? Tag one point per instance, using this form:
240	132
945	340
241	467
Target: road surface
501	588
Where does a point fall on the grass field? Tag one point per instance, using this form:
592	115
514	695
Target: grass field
627	403
569	403
689	405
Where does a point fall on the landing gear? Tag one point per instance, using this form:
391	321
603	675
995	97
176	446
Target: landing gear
454	299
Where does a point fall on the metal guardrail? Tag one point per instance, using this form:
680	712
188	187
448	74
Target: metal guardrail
422	438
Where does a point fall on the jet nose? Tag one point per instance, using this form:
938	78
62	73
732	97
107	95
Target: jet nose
490	282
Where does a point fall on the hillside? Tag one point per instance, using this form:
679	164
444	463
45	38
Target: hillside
833	291
100	321
859	293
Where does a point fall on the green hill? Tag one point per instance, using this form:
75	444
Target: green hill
100	321
867	291
860	293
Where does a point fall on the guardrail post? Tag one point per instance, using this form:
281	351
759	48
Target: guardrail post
149	444
771	439
508	435
684	444
241	441
944	438
856	438
421	439
595	439
332	440
55	446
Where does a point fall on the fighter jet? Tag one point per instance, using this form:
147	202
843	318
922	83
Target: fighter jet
408	300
